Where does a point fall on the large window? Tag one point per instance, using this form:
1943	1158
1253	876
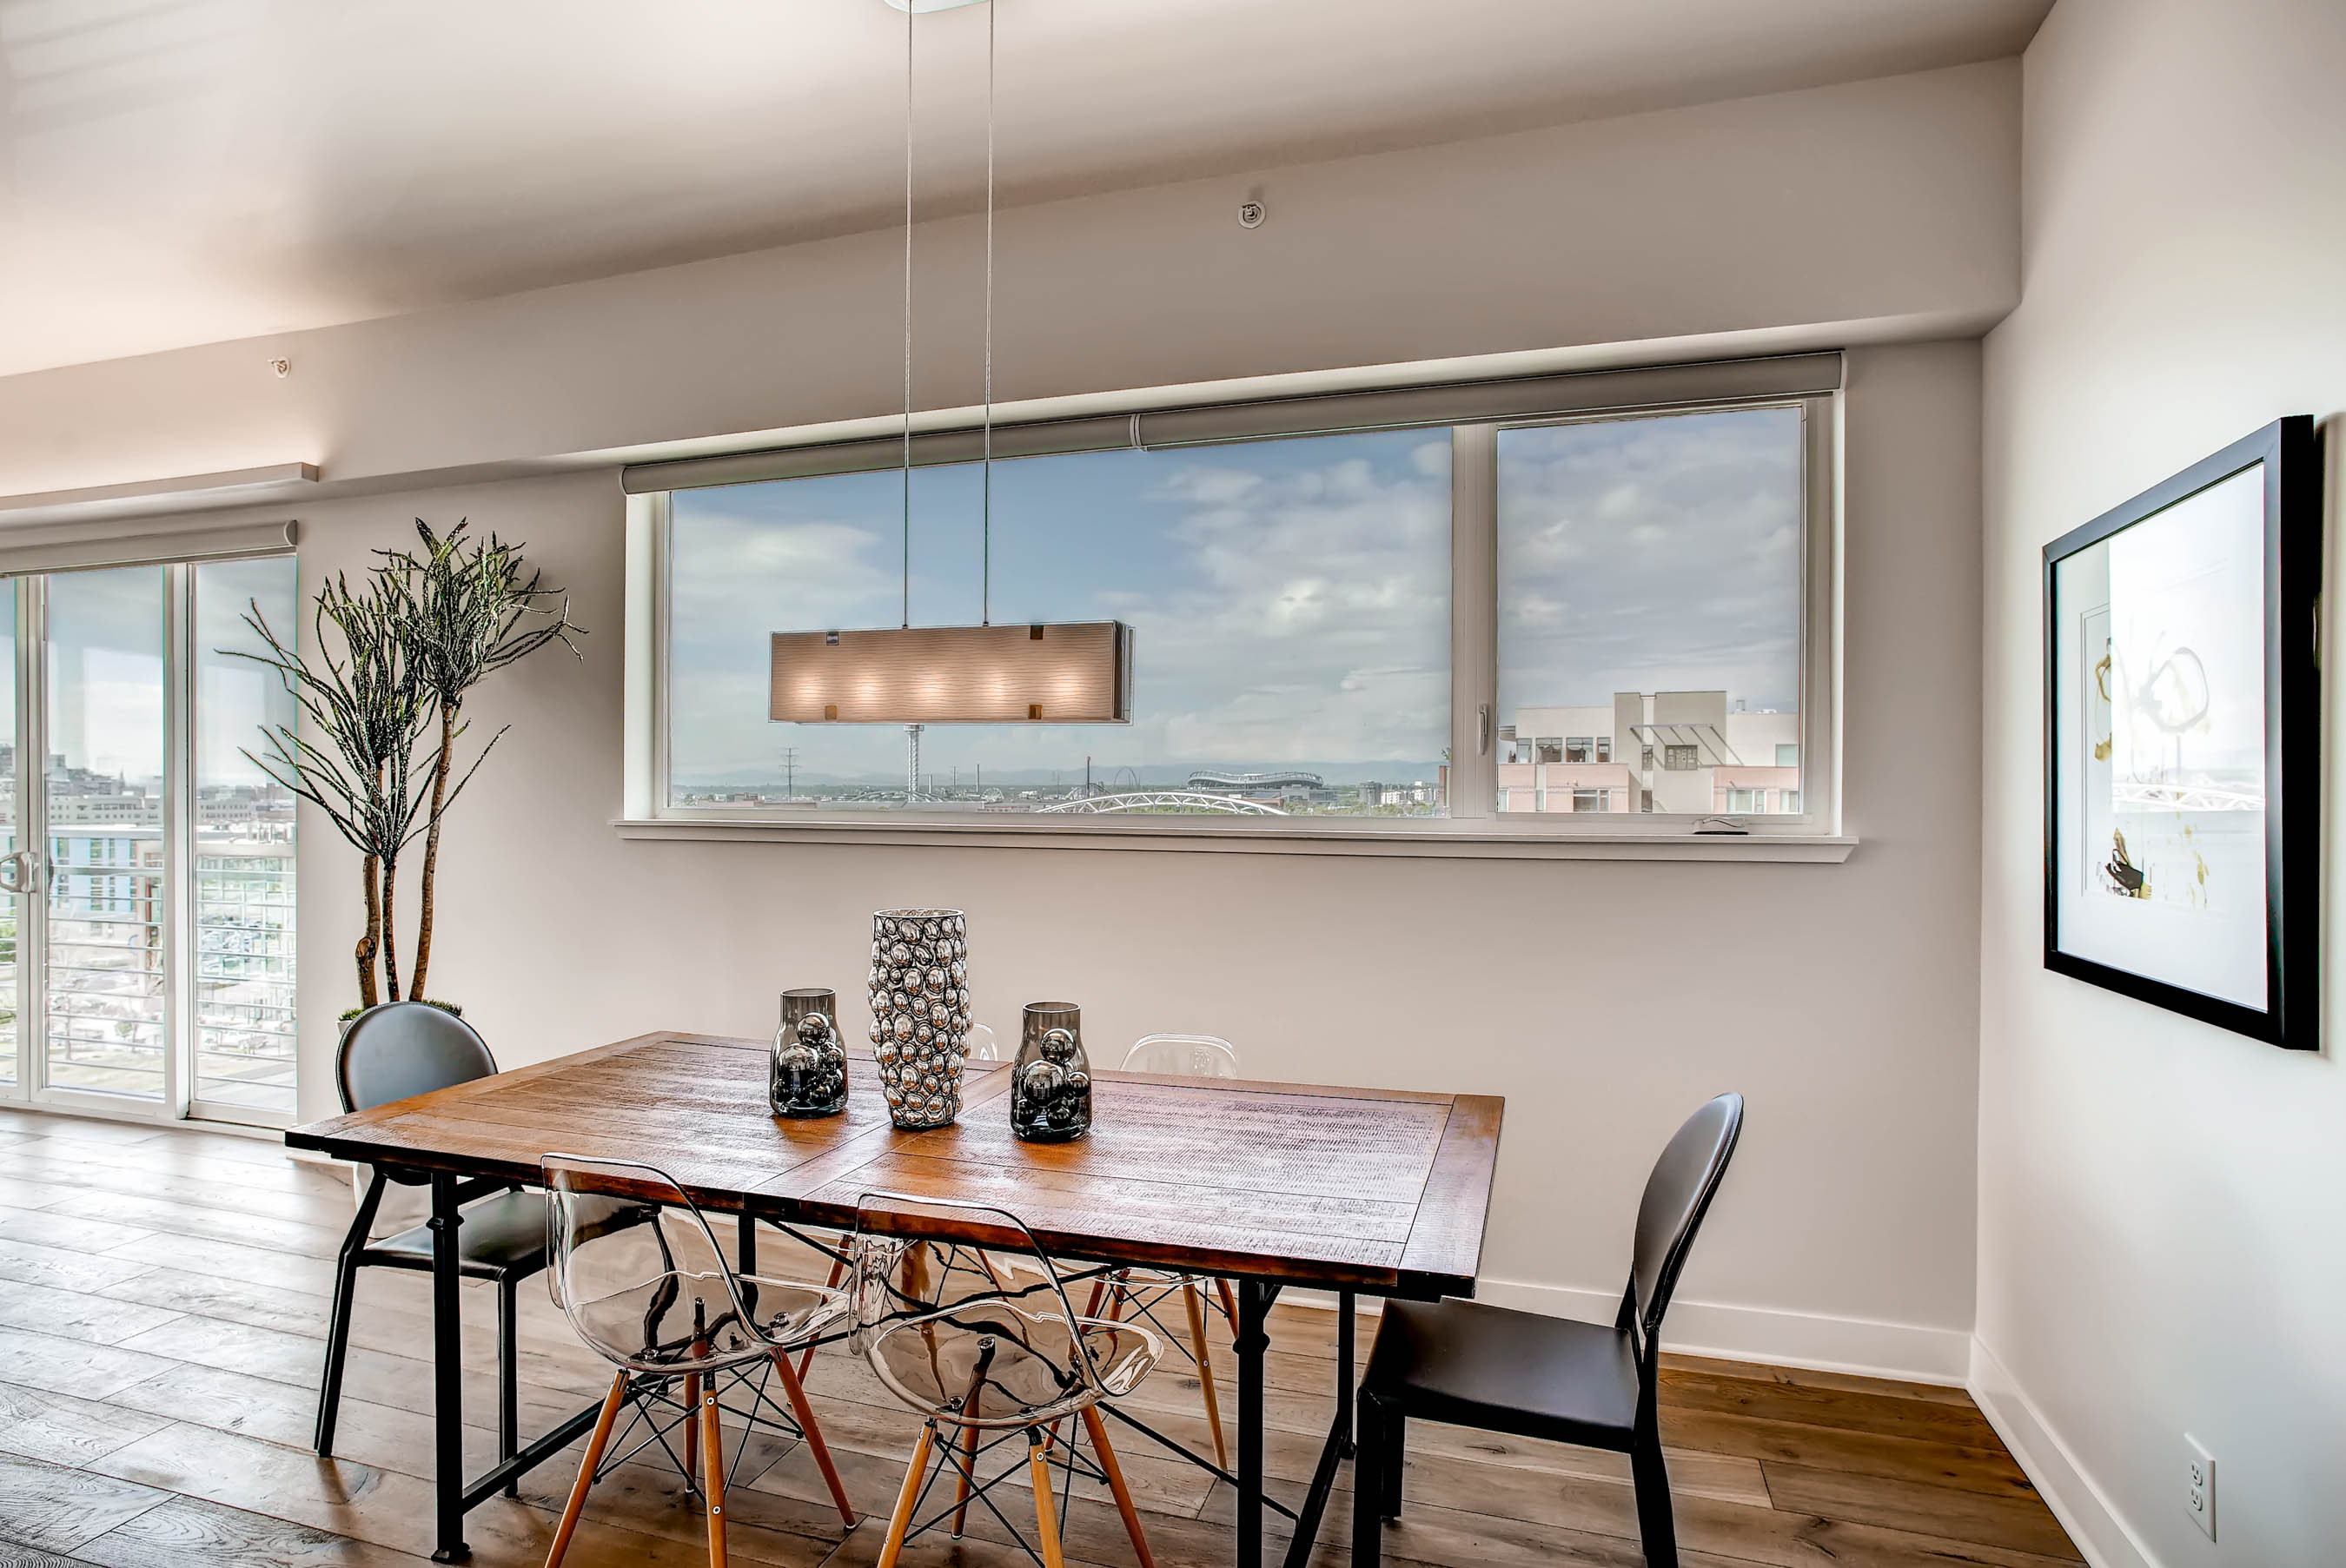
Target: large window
1602	619
1289	602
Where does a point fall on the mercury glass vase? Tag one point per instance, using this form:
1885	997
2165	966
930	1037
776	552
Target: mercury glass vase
1051	1086
920	1013
809	1064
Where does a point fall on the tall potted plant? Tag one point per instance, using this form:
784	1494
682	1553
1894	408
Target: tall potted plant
360	693
393	660
471	611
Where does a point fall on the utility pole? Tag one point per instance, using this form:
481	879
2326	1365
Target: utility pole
790	771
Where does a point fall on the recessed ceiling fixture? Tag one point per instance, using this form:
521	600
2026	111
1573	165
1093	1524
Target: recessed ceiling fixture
1066	673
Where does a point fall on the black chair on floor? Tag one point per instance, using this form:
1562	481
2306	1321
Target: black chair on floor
390	1053
1466	1364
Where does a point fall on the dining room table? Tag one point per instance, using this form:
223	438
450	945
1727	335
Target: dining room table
1276	1186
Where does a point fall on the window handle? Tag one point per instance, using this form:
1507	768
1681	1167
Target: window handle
17	874
1483	731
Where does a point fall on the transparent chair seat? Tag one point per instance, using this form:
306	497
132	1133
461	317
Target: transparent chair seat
657	1295
980	1349
1000	1367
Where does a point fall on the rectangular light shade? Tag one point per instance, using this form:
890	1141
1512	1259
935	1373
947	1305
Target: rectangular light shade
1066	673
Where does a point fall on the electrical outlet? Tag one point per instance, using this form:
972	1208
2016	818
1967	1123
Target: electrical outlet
2202	1497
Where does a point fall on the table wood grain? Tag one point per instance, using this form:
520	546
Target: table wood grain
1371	1189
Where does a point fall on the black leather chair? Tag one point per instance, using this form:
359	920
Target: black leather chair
389	1052
1467	1364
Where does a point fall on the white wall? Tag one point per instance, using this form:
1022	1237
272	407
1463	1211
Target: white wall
2162	1204
1604	999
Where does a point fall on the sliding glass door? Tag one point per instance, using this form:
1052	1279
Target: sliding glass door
147	932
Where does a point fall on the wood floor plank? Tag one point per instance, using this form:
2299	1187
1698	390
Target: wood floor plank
231	1260
58	1509
2023	1524
37	1423
287	1413
1853	1412
69	1232
1806	1377
30	1263
74	1366
15	1556
165	1218
1990	1471
73	1315
182	1531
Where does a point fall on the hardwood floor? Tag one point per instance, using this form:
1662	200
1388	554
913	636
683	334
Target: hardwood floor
163	1299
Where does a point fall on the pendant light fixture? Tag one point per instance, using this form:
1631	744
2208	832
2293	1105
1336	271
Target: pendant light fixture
1024	673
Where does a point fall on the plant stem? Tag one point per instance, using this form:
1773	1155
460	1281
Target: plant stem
390	932
369	939
432	843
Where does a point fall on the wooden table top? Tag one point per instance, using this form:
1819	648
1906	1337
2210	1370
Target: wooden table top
1375	1189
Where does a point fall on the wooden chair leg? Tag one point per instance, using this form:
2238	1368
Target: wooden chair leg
691	1429
1229	1304
1656	1527
901	1520
812	1431
1046	1508
586	1482
713	1464
1368	1485
1193	1298
1098	1431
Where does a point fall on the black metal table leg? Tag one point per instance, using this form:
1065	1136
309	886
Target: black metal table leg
447	1374
1253	1338
746	1233
1338	1446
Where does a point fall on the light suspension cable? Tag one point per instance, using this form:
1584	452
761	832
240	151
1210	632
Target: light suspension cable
986	513
908	314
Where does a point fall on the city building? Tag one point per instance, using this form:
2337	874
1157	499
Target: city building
1690	753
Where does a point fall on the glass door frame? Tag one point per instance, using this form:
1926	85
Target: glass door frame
180	890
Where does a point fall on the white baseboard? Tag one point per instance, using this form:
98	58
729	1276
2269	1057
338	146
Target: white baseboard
1907	1351
2085	1511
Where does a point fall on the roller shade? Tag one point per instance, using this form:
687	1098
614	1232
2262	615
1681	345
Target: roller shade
78	552
1455	403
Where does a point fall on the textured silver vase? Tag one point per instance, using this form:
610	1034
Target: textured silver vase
919	1012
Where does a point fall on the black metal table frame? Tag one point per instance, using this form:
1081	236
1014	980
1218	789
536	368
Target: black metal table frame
455	1497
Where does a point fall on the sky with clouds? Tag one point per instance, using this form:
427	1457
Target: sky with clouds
1650	554
106	634
1290	599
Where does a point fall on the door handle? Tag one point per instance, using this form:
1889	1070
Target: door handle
17	874
1482	732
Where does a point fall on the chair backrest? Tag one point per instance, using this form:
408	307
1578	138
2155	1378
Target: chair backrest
403	1048
969	1321
1678	1194
653	1294
980	1045
1183	1056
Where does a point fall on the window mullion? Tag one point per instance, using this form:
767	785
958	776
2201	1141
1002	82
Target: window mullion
1474	619
177	912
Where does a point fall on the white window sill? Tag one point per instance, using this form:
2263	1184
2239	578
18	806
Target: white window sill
1425	841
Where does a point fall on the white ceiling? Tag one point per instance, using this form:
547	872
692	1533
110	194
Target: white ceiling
185	171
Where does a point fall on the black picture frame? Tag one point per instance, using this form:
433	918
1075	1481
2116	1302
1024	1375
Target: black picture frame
2291	451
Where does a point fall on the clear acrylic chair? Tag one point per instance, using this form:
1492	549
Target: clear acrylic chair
681	1331
1145	1292
991	1361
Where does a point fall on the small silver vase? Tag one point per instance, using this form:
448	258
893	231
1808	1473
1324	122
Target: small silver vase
920	1013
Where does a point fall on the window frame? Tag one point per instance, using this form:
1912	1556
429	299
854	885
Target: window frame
1474	827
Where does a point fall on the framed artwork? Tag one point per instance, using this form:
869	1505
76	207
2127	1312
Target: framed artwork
2182	759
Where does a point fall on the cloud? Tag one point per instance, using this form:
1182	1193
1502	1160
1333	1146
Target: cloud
1651	555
